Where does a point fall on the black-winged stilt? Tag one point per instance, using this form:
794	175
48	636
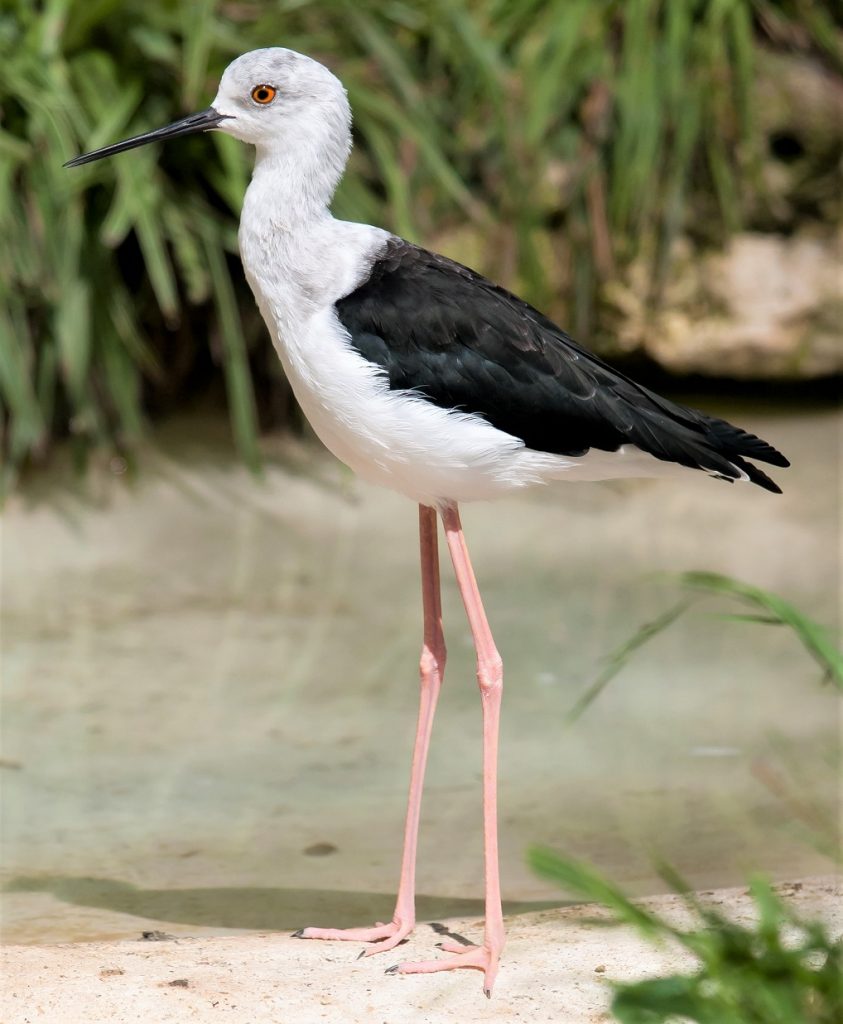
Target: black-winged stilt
424	377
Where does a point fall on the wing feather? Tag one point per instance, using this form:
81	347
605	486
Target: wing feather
444	331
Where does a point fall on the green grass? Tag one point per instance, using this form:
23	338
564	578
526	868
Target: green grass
781	969
550	142
752	605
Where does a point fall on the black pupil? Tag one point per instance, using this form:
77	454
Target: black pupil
263	94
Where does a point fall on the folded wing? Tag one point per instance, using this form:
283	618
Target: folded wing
440	329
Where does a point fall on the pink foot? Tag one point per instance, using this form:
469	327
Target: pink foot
384	936
480	958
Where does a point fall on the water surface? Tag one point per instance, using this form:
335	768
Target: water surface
210	687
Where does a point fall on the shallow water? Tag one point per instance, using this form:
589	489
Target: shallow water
210	686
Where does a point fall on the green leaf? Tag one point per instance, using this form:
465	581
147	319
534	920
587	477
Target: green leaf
19	402
620	656
582	880
73	334
197	30
241	399
814	637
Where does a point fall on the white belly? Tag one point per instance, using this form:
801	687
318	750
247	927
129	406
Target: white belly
393	438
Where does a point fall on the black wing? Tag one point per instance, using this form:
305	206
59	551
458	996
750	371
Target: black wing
440	329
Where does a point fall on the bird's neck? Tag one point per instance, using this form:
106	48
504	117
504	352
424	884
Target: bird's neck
285	214
293	185
298	259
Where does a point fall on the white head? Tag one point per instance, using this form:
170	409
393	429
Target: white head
290	107
276	98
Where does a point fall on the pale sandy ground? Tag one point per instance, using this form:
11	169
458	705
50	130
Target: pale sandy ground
557	967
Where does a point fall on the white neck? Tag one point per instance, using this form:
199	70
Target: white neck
297	257
295	176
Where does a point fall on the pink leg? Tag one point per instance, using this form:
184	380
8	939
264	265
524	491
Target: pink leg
432	669
490	679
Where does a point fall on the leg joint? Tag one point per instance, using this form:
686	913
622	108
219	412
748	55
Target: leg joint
490	671
432	661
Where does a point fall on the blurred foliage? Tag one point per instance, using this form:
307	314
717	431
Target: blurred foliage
780	969
518	135
756	605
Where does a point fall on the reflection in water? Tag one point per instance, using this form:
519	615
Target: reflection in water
207	677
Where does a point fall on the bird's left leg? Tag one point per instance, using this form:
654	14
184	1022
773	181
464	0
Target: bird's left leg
431	670
490	679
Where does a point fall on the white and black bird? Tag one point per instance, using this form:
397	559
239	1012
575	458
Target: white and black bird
425	377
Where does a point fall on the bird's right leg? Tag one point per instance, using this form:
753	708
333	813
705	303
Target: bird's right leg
432	669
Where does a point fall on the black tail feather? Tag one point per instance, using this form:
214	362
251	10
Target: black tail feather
758	476
733	440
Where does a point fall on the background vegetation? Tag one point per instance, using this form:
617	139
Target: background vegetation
548	142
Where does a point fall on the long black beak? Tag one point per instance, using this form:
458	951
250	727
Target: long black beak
200	122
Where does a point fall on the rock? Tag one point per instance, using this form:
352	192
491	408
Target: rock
766	307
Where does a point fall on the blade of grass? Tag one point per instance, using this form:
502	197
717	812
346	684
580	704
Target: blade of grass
197	32
26	424
581	879
621	655
241	398
72	331
814	637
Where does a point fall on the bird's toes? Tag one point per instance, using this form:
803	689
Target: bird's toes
451	946
398	939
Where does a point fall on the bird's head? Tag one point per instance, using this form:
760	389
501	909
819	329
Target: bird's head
272	98
274	95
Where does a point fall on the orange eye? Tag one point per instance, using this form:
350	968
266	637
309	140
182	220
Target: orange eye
263	94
